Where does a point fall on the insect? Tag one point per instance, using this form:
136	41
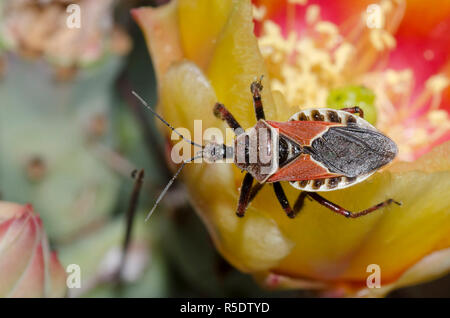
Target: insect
316	150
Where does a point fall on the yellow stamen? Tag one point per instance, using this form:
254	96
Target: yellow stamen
438	118
305	69
382	40
259	12
329	33
312	14
437	83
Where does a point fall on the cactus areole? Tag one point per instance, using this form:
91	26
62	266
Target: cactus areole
319	149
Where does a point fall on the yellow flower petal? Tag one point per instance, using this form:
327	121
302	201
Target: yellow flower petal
237	62
200	23
431	266
187	95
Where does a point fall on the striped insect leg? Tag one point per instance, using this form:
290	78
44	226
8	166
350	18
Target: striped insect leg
221	112
336	208
354	110
256	88
253	192
244	196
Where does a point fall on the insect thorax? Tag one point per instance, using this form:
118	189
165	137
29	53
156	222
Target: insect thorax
256	151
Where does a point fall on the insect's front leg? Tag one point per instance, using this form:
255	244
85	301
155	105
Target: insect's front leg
354	110
221	112
256	88
244	196
255	190
243	205
336	208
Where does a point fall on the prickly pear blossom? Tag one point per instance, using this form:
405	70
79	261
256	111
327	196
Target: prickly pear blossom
313	54
27	266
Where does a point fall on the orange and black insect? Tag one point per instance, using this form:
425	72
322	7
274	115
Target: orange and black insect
316	150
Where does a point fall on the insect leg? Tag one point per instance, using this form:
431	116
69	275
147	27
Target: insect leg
221	112
281	196
256	89
254	191
354	110
336	208
244	196
299	202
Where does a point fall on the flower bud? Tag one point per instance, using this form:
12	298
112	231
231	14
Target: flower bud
27	266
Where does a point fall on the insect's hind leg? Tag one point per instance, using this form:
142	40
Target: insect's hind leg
256	88
354	110
221	112
336	208
298	205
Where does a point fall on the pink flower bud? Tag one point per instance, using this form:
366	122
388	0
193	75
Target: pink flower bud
27	266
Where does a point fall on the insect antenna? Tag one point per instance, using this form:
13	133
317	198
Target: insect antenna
170	183
163	120
198	156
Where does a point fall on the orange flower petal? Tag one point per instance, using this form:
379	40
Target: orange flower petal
160	28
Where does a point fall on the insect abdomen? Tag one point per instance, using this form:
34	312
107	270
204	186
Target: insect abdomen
352	151
331	116
326	184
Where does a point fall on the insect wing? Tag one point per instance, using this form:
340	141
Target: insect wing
302	132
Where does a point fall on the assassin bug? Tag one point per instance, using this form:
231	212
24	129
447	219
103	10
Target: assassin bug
316	150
